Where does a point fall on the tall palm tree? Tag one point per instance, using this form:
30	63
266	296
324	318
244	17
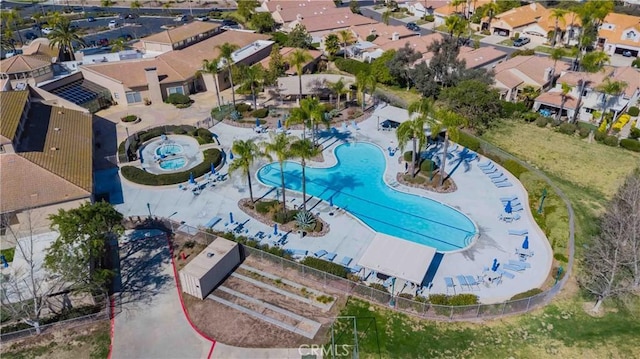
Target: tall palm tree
490	10
455	25
211	67
413	129
12	18
527	94
339	88
365	80
451	122
386	16
556	54
564	95
591	62
304	150
118	45
279	147
226	52
247	152
310	110
610	88
346	39
253	77
297	59
64	36
558	16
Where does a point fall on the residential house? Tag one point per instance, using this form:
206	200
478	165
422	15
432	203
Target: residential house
272	6
424	8
285	52
418	43
21	70
620	33
180	37
514	74
442	11
46	155
288	15
483	57
131	81
593	99
319	26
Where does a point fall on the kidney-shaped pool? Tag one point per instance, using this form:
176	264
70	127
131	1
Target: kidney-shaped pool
356	184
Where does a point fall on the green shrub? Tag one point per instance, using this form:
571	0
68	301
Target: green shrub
429	18
281	38
379	287
630	144
8	254
137	175
371	37
351	66
542	122
260	113
514	167
325	266
427	165
633	111
265	206
463	299
243	107
530	116
611	141
406	296
635	133
527	294
178	99
129	118
183	105
468	141
527	52
286	217
508	108
599	136
560	257
567	128
583	132
439	299
408	156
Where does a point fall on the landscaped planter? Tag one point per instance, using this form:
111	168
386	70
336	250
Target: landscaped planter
131	119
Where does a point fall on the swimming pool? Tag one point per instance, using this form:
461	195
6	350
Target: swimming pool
173	163
356	184
169	149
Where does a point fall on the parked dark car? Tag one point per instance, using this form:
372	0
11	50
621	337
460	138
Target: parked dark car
103	42
413	26
30	36
132	16
91	19
227	22
521	41
126	37
627	53
36	27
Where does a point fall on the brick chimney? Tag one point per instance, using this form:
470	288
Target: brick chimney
155	93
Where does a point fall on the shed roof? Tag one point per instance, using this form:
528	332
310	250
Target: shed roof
22	63
208	258
12	105
183	32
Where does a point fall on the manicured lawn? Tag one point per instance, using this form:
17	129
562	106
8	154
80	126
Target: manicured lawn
404	95
507	42
559	330
422	22
398	15
595	168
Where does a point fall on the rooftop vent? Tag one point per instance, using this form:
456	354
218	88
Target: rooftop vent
209	254
60	112
54	148
56	129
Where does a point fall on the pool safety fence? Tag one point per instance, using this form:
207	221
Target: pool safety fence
337	285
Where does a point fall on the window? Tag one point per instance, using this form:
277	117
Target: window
134	97
116	96
177	89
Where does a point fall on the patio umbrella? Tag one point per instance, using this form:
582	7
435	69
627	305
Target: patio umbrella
275	228
279	124
508	208
495	263
525	243
213	169
257	122
230	155
191	179
495	268
230	217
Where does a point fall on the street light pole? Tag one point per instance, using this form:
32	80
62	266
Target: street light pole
149	208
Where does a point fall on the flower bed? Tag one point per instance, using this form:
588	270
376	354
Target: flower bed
250	208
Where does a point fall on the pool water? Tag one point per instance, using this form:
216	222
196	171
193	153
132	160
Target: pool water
356	184
173	163
169	149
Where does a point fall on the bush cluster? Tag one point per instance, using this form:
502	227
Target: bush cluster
429	18
611	141
379	287
243	107
178	99
567	128
325	266
630	144
527	294
542	122
560	257
454	300
427	165
514	167
527	52
509	108
129	118
530	116
144	136
371	37
600	136
351	66
263	207
286	217
137	175
260	113
468	141
203	136
583	132
276	251
633	111
635	133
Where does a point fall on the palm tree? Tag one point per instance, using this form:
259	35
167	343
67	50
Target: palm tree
564	95
340	89
556	54
610	88
527	94
64	36
12	17
365	80
455	25
226	52
247	152
297	59
211	67
279	147
310	109
253	77
386	16
558	16
490	10
591	63
118	45
305	150
451	122
346	39
413	130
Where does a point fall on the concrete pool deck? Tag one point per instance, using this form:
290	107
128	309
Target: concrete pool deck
477	197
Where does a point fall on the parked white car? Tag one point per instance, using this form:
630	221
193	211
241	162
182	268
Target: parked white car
113	24
46	30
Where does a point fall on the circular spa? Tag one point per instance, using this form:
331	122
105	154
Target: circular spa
173	153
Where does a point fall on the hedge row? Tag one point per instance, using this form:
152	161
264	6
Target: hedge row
325	266
276	251
468	141
630	144
351	66
453	300
137	175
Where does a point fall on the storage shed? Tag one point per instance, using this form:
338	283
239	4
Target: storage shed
210	267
